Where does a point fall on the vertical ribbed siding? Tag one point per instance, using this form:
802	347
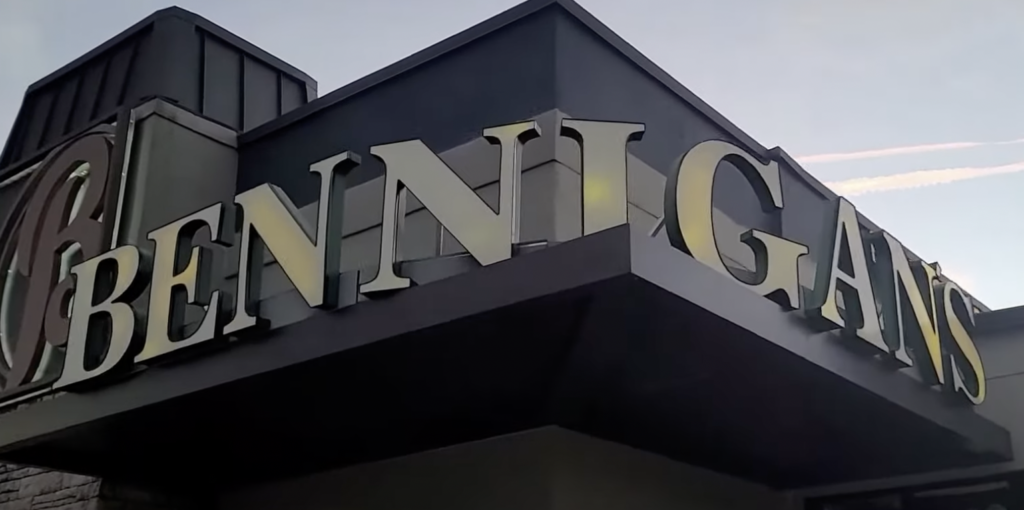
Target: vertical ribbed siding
173	55
72	103
240	90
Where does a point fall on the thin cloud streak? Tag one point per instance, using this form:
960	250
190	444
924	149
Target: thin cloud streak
920	178
898	151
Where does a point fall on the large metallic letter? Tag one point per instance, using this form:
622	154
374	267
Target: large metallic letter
963	354
487	236
602	169
310	259
688	218
113	315
843	267
510	139
181	277
56	217
900	286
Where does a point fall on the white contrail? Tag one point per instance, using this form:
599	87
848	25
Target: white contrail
897	151
919	178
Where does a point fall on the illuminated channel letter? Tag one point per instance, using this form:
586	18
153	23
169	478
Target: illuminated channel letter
689	221
843	267
181	277
956	309
112	317
486	235
903	285
309	258
603	169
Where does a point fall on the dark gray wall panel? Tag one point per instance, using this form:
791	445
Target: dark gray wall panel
293	94
445	103
241	91
596	82
260	93
222	75
16	140
116	80
88	94
62	108
182	50
37	121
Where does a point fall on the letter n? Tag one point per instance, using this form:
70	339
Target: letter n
487	235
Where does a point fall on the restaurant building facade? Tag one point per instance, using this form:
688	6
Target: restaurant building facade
522	268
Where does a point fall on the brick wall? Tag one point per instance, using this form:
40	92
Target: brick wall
27	488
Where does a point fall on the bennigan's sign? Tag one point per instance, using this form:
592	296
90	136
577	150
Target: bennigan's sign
61	332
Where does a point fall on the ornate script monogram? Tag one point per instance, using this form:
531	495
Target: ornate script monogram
57	222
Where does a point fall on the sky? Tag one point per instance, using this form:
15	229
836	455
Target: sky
914	110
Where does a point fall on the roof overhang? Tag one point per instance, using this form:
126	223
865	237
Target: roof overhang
614	334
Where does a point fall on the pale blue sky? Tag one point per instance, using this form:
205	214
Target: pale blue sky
815	77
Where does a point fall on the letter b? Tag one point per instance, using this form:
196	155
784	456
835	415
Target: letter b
101	309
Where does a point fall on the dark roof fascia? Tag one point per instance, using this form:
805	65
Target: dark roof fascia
175	12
